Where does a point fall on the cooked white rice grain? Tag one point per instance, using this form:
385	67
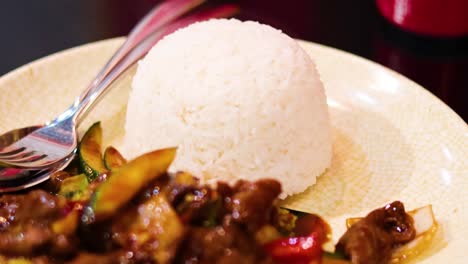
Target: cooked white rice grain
241	100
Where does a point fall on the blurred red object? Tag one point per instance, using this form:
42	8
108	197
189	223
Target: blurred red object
439	18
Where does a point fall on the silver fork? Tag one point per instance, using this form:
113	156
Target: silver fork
57	139
19	178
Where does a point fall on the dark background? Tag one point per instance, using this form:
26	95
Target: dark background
35	28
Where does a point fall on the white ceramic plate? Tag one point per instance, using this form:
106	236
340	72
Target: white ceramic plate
392	139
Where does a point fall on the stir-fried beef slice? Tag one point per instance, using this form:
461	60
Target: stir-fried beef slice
181	221
228	243
25	225
88	258
96	237
113	257
176	193
152	227
371	239
252	202
398	223
245	208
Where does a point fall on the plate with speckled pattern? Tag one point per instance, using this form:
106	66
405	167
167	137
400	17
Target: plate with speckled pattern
392	140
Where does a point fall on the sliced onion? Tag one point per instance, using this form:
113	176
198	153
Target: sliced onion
351	221
423	219
426	228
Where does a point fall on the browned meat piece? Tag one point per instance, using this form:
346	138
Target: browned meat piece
225	244
25	227
88	258
96	237
170	221
152	227
370	241
176	192
247	207
114	257
252	202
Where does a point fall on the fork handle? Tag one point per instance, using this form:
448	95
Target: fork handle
121	60
144	41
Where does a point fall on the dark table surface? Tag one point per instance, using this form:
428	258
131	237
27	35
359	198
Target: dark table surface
32	29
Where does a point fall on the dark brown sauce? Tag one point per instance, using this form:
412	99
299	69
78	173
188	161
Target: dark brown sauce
226	224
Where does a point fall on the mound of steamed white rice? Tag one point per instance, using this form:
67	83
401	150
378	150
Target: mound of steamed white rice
241	100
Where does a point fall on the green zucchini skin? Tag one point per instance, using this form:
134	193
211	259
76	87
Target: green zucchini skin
89	152
75	188
113	159
123	184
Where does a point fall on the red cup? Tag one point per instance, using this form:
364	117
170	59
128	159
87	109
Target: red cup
439	18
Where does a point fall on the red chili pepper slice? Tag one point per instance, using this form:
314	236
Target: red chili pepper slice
312	223
296	250
72	206
306	247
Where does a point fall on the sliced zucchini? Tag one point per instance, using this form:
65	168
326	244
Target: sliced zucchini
67	225
89	152
124	183
185	178
75	188
113	159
